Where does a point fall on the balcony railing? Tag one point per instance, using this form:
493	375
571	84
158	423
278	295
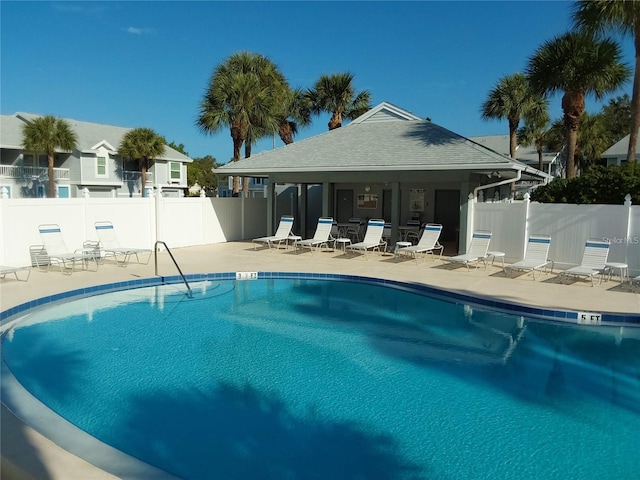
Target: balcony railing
32	173
134	176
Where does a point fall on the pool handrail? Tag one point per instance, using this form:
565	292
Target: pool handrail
155	257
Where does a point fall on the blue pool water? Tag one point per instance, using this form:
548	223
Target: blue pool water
320	379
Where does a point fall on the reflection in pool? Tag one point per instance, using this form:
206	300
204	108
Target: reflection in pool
293	378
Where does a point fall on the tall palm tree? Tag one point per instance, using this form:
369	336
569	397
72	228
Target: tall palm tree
335	94
143	145
578	65
624	16
243	93
534	133
511	99
45	135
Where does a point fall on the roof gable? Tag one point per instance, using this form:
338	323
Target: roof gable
385	112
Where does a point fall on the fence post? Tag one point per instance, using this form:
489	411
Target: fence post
627	203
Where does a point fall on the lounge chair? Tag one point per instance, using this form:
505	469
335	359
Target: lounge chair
320	238
635	284
281	235
372	238
477	251
55	251
6	270
593	262
536	256
111	247
426	245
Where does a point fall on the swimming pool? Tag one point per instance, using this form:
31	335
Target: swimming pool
333	378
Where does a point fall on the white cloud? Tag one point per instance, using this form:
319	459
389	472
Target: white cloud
138	31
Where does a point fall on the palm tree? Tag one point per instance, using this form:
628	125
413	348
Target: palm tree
578	65
45	135
534	132
593	139
296	112
602	15
243	94
511	99
143	145
336	95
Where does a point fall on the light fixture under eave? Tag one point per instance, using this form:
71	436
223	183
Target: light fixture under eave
367	189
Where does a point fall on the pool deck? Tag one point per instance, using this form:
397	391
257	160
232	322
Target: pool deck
28	455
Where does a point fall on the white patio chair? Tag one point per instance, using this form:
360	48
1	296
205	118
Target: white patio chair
477	251
6	270
282	234
594	259
429	241
536	256
111	247
372	238
321	237
57	252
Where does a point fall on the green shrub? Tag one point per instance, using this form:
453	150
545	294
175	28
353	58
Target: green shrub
603	185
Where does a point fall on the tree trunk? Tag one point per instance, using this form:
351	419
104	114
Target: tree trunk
573	108
513	144
513	136
285	132
635	100
52	180
540	162
245	183
238	140
143	177
335	121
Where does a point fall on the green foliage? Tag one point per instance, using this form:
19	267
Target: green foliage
617	117
602	185
179	148
199	171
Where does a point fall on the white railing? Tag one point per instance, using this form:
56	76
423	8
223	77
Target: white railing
133	175
39	173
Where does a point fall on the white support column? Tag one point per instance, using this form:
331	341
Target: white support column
526	204
395	211
469	226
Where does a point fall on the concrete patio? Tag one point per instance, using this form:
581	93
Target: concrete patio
27	454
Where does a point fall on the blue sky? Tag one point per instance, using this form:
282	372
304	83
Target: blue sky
147	64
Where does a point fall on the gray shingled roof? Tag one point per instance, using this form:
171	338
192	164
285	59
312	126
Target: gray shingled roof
89	135
386	138
500	144
620	149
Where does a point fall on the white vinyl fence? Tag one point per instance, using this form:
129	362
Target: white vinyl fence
183	222
569	226
138	222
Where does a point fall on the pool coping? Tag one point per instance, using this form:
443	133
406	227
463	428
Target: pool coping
554	315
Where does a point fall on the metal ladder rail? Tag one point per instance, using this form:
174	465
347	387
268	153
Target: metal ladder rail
155	256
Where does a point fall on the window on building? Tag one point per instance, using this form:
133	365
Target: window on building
259	181
175	170
101	166
63	191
